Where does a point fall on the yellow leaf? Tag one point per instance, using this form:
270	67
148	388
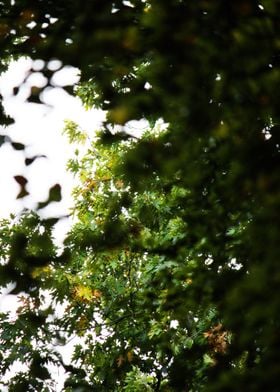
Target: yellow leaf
85	293
129	356
38	271
96	293
119	184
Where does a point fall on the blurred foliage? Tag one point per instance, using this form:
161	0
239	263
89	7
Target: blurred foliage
170	275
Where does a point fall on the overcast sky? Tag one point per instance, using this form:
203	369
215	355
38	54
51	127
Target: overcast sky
40	128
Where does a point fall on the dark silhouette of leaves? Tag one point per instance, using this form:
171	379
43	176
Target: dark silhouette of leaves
22	181
29	161
18	146
54	195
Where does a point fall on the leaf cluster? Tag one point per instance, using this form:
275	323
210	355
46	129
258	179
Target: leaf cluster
170	275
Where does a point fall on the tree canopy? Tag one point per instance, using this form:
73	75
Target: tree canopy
169	276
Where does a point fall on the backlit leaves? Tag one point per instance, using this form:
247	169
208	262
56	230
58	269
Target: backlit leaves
54	196
179	226
85	293
22	181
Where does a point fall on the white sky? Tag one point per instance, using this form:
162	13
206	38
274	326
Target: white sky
40	127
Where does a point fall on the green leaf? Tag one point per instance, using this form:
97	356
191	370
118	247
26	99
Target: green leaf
54	196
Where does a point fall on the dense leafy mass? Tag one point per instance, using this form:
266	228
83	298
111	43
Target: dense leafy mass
169	276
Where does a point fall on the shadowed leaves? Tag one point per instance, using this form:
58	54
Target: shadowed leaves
54	196
22	181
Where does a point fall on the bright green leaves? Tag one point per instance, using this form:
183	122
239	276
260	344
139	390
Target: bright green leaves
137	381
138	263
89	94
74	133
